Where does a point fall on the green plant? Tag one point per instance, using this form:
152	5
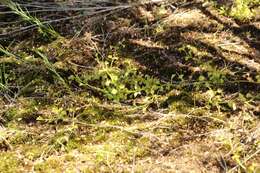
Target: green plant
51	68
4	76
44	29
241	10
189	51
213	78
120	83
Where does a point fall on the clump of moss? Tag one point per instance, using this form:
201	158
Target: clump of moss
241	10
25	111
9	162
52	164
32	152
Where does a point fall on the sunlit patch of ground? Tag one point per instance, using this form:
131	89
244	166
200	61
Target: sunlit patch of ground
165	91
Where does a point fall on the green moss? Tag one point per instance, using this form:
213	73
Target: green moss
32	152
52	164
9	163
180	106
25	111
20	137
241	10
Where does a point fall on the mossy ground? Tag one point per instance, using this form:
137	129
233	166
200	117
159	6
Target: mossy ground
162	91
